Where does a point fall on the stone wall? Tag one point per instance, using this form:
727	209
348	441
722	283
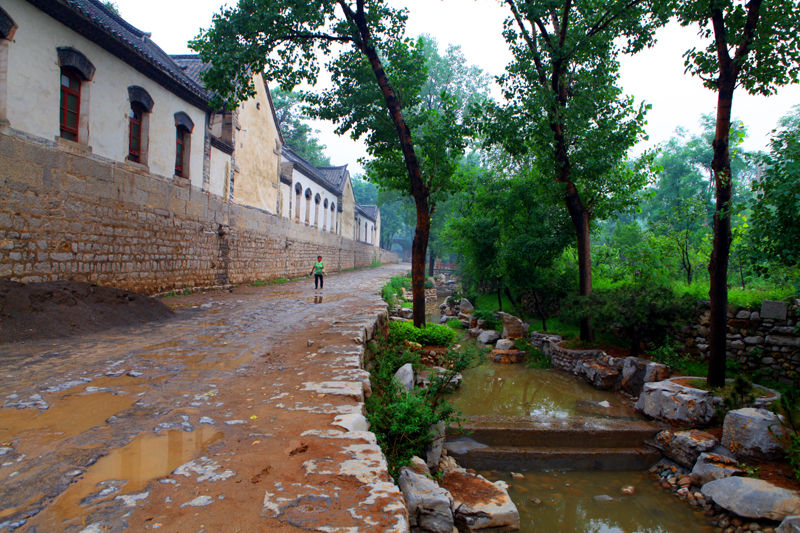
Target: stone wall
68	214
765	340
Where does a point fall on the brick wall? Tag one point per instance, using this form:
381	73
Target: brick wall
66	214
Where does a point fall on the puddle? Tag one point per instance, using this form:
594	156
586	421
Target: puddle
514	390
129	469
583	502
71	415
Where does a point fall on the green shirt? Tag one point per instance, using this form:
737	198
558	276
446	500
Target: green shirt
318	267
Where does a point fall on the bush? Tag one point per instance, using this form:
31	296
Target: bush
429	284
454	323
534	358
430	335
640	312
492	320
668	355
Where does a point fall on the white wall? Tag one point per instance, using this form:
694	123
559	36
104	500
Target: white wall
34	85
220	169
306	182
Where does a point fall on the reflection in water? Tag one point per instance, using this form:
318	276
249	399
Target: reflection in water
318	299
514	390
583	502
147	457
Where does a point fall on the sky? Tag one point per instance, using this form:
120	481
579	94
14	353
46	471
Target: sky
655	76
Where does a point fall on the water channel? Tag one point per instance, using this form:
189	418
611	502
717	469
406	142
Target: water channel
571	501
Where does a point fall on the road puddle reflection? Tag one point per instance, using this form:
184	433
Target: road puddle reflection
129	469
68	416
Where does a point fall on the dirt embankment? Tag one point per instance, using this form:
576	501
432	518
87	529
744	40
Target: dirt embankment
56	309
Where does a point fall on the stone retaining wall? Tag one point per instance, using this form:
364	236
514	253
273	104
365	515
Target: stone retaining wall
560	357
765	340
67	214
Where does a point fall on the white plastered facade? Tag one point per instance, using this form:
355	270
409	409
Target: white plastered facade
33	86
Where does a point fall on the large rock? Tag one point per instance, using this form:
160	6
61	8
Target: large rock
600	375
790	524
751	433
637	371
671	402
504	344
753	498
684	447
405	375
479	504
434	452
488	336
711	466
430	507
466	306
513	327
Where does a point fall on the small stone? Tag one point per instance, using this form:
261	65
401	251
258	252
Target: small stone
628	490
309	342
535	501
517	475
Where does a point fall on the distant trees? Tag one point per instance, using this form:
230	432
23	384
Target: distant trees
296	133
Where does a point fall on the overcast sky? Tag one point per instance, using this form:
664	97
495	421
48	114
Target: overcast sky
654	76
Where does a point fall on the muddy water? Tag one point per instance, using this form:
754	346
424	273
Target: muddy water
514	390
582	502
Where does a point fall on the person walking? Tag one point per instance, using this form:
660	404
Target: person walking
319	271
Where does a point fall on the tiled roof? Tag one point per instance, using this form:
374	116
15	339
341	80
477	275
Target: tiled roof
99	24
369	211
336	176
192	66
318	175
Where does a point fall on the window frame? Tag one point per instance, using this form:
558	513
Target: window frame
136	155
180	148
63	108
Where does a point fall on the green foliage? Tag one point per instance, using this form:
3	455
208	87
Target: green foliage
454	323
429	335
296	133
492	321
639	312
776	209
740	394
268	282
392	290
789	409
534	358
680	363
429	284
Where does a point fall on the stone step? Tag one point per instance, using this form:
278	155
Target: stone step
572	433
541	458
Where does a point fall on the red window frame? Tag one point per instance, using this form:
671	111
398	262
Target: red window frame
68	132
180	150
135	133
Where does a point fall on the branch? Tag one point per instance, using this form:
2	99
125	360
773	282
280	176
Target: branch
543	31
530	40
313	36
564	22
720	39
753	12
608	18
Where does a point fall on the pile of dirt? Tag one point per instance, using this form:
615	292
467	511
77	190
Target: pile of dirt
55	309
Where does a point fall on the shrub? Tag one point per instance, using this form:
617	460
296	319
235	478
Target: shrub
430	335
454	323
429	284
534	358
492	320
668	355
789	407
639	311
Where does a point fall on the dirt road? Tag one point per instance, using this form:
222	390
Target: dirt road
241	413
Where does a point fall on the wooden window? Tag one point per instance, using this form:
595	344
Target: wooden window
70	107
135	133
180	151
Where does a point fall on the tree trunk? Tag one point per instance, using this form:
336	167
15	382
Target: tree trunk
419	191
419	248
580	220
718	265
540	310
499	294
432	264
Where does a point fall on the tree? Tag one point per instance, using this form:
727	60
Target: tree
566	107
296	133
751	44
776	207
288	38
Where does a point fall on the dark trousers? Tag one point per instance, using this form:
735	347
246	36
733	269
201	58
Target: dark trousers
318	278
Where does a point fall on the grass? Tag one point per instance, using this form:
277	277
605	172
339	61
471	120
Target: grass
181	292
556	326
748	298
454	323
407	305
488	302
268	282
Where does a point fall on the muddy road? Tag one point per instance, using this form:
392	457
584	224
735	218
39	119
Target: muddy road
240	413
